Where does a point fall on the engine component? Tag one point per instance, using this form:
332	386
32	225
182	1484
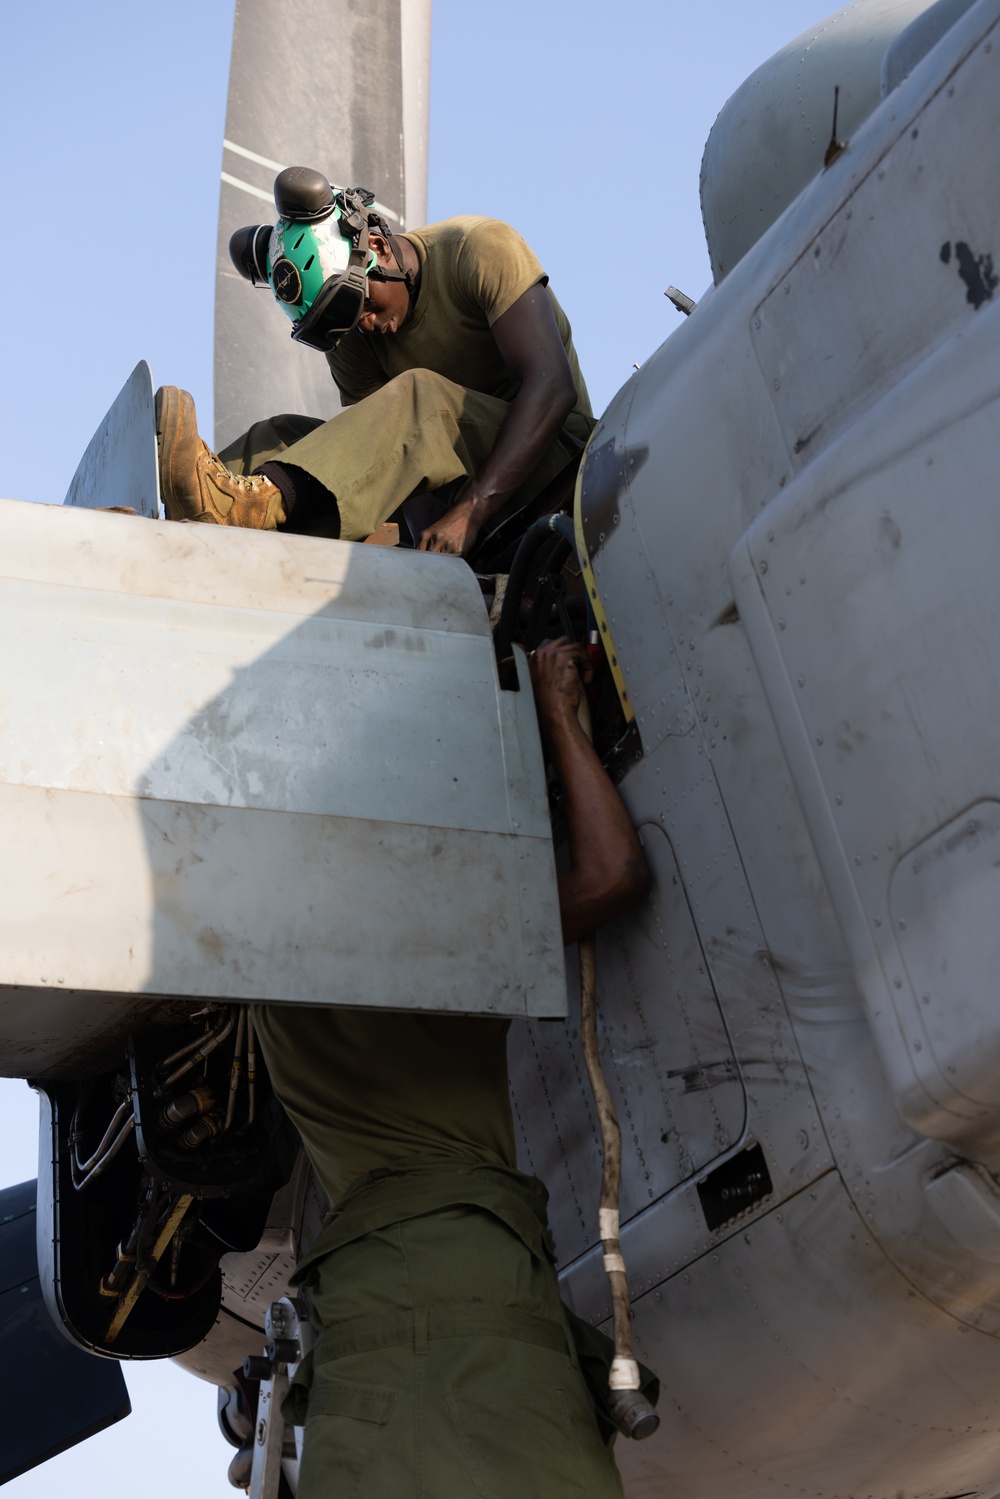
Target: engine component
188	1106
159	1166
171	1223
201	1051
188	1140
114	1137
203	1129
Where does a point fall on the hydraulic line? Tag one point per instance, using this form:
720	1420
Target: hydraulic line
205	1049
79	1182
171	1224
234	1074
147	1224
113	1283
184	1051
175	1257
116	1121
251	1069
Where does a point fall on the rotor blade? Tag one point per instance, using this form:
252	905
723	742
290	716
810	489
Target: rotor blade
350	97
53	1395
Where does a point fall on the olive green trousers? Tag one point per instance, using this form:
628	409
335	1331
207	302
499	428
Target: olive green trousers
443	1368
417	433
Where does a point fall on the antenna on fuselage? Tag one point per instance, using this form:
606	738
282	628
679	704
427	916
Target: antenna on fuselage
835	147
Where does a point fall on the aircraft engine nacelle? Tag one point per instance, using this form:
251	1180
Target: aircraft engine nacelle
846	464
791	518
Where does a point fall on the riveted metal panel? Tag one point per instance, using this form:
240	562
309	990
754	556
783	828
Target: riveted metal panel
796	1357
944	897
667	1056
879	286
863	554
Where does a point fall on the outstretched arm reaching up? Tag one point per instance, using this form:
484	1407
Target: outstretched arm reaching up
607	871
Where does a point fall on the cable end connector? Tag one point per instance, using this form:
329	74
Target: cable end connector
633	1415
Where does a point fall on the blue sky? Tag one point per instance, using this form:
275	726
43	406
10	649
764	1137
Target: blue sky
580	123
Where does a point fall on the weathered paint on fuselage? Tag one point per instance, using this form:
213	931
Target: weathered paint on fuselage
792	522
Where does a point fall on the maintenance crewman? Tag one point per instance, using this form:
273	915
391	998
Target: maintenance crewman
443	1365
452	355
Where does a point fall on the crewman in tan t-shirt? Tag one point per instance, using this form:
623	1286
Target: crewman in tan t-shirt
464	400
445	1363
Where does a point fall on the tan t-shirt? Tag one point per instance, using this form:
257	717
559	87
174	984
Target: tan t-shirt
472	271
365	1087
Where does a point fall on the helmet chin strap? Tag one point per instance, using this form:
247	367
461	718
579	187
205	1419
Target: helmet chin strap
379	273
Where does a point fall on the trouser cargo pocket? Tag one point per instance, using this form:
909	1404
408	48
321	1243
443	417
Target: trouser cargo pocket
342	1434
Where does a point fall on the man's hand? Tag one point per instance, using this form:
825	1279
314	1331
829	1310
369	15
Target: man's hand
531	347
455	532
559	672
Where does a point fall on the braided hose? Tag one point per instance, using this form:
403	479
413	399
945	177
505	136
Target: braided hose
624	1370
628	1407
631	1411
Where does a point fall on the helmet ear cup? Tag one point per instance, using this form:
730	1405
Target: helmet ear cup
303	195
248	252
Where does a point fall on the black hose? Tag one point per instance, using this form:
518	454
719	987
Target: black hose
542	530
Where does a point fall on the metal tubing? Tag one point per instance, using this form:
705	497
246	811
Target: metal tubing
147	1224
109	1134
105	1160
234	1075
112	1283
215	1039
251	1068
137	1284
183	1051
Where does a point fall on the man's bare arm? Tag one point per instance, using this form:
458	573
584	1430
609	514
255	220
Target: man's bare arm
607	870
532	349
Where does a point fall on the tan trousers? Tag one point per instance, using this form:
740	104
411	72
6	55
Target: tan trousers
418	433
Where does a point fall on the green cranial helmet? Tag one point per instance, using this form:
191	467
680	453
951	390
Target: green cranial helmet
301	258
316	259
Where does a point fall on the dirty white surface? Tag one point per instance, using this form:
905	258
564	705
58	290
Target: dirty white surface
244	766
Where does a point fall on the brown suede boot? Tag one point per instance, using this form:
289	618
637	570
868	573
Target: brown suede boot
195	485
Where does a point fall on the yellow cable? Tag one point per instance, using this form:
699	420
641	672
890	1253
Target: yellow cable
590	583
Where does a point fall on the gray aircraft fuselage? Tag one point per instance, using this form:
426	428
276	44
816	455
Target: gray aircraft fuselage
788	525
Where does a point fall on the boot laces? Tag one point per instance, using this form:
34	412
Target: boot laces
242	481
